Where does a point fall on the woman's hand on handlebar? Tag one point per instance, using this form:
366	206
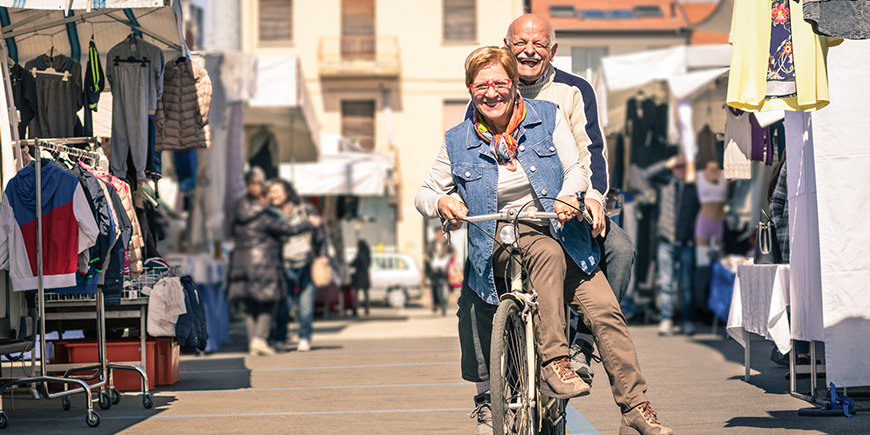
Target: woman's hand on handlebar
566	208
450	208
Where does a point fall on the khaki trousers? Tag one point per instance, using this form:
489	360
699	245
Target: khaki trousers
551	269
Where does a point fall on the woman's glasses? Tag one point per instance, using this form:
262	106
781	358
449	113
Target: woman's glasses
482	87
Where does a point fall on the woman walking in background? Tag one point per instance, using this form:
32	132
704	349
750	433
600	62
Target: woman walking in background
256	275
361	280
299	252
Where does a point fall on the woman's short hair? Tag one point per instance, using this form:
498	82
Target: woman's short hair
485	56
292	195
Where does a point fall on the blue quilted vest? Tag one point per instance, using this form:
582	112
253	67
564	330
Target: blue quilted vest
475	173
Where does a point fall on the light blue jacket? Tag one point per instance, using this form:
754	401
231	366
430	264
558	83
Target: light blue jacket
475	173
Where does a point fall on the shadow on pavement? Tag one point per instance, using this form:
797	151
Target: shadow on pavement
789	420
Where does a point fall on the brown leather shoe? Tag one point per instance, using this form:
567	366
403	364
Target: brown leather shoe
561	381
642	420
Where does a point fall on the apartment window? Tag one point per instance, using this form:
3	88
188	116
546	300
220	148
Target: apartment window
650	11
276	20
358	122
358	29
585	60
460	20
562	11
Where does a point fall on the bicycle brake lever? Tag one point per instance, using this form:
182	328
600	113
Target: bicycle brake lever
445	228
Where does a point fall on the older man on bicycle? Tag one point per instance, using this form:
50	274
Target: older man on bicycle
511	152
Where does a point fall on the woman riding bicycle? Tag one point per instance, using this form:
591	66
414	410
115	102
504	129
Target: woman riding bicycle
512	151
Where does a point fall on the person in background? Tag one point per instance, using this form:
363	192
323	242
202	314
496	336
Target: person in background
298	252
437	258
256	275
361	279
678	208
777	194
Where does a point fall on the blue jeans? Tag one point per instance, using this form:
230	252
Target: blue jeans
304	301
673	258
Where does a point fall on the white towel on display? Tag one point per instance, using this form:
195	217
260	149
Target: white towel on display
165	304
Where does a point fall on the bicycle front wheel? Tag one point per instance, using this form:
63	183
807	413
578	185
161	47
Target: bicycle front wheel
512	412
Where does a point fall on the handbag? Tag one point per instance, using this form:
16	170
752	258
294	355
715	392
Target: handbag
321	272
766	246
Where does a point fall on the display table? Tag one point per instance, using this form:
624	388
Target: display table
759	308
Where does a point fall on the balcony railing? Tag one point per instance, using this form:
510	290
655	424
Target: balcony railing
359	56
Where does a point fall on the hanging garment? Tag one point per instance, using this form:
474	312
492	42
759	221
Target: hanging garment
182	113
140	50
751	26
738	144
129	118
263	151
707	149
57	100
191	329
648	125
24	96
134	250
68	228
94	85
849	19
165	304
761	149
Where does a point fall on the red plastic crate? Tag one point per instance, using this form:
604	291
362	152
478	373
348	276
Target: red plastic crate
167	368
85	352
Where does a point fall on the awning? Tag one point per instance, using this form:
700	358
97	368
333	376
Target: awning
31	27
282	102
344	173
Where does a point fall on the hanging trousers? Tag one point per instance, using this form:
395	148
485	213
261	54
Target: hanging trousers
129	119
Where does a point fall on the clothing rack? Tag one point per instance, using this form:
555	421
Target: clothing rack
42	380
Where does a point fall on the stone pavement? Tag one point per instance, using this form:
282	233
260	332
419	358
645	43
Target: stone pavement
397	372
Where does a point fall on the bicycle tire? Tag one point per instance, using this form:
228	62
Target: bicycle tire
508	373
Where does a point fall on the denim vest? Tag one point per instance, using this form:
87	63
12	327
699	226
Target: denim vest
475	173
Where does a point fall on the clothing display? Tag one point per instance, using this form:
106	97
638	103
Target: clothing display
94	84
712	191
738	144
762	151
68	225
849	19
182	114
24	95
58	96
759	82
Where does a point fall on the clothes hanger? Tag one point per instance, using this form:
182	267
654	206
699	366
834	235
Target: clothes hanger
50	69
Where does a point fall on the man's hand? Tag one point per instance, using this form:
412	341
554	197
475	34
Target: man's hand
565	212
450	208
599	219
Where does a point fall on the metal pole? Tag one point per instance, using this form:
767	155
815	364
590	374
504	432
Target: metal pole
41	290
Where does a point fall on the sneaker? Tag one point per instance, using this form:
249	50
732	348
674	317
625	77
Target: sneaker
258	346
581	360
666	327
483	412
642	420
778	357
689	328
561	381
278	346
304	346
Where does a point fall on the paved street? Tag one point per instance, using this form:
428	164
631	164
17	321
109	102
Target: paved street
397	372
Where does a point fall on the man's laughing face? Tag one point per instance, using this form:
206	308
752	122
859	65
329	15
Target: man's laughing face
530	43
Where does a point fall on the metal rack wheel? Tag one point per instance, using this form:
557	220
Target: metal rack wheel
65	403
146	401
105	400
116	396
4	421
93	418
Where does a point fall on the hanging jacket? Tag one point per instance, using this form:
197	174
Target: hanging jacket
134	250
68	228
191	331
182	114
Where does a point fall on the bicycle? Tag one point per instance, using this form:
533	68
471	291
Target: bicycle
518	404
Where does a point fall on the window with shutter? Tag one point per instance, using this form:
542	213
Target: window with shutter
358	29
358	122
276	20
460	20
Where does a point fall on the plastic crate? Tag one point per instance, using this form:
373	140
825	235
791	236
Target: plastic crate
118	351
168	354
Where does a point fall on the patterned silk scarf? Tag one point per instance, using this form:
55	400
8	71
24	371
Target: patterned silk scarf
503	145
